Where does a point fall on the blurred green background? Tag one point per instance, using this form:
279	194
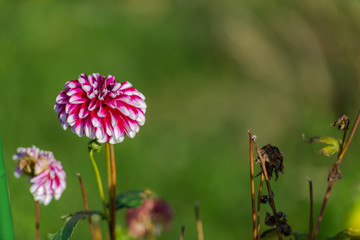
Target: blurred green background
210	70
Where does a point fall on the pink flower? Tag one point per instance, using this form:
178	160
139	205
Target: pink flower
150	219
47	177
100	107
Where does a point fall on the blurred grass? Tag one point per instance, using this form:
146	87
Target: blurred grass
210	70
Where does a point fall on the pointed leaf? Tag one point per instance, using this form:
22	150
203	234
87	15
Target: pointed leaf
66	232
333	144
6	225
132	198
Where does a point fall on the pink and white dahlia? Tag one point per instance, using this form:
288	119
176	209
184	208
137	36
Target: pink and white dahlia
49	184
100	107
47	177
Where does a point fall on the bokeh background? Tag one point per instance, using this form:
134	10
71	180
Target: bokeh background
210	70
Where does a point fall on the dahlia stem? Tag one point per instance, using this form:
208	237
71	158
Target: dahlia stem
86	205
99	182
37	220
108	167
113	187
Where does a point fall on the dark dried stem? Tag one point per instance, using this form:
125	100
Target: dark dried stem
311	222
182	233
86	205
331	182
37	220
258	205
252	183
341	157
199	225
113	188
262	161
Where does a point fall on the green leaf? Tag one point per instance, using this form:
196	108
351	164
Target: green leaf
132	198
348	234
333	144
6	224
66	232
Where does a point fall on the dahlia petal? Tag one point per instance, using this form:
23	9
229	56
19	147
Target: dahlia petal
73	91
102	111
89	129
100	135
114	119
86	88
93	104
95	120
125	85
84	112
116	86
141	118
71	84
61	97
79	127
69	107
72	118
76	99
58	107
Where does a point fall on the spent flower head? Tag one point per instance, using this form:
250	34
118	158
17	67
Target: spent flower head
150	219
101	108
47	177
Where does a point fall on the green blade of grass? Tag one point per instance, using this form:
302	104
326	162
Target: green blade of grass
6	225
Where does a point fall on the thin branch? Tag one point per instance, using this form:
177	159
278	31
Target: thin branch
331	182
311	222
86	205
262	161
341	157
198	222
252	183
258	205
37	220
322	209
182	233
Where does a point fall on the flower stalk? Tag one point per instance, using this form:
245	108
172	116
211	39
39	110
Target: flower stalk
258	205
252	184
99	182
113	193
86	205
37	220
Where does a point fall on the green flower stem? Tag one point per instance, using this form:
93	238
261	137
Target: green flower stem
99	182
6	225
